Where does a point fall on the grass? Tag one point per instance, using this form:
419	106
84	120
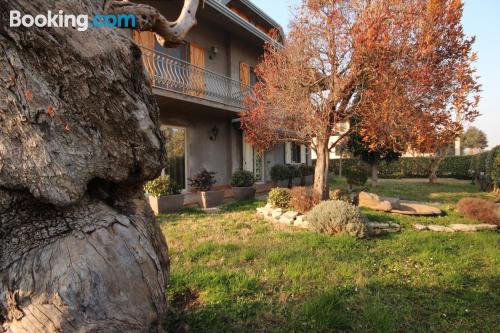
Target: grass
235	272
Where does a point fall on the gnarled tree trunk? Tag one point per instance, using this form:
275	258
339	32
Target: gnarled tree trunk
79	136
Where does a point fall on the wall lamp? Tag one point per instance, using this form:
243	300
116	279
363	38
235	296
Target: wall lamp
214	133
213	52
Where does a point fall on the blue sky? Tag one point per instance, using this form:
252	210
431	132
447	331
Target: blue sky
481	19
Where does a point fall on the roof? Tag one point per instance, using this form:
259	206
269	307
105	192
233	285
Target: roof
221	6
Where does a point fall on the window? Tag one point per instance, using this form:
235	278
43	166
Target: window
296	153
253	77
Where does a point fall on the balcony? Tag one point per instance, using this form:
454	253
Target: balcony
171	74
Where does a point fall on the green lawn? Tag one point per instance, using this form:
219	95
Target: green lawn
236	272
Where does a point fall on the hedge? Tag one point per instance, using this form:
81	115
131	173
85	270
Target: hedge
418	167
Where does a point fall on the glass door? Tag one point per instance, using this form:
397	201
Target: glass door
176	154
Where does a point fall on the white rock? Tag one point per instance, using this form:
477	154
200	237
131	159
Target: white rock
375	225
439	228
472	227
269	206
420	227
300	221
291	214
276	214
286	220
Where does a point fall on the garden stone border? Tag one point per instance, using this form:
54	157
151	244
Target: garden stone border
292	218
455	227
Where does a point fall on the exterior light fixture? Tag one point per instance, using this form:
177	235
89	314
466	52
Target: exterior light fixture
214	133
213	52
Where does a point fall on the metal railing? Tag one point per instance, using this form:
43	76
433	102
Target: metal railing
180	76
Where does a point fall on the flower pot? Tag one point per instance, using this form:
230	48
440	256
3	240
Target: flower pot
244	193
210	199
166	204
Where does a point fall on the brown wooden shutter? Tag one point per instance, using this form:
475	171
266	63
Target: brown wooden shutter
146	39
197	58
245	74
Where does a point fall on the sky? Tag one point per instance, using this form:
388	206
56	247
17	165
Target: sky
481	19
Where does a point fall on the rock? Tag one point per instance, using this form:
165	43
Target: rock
373	201
213	210
300	221
411	208
286	220
439	228
420	227
375	225
291	214
269	206
472	227
395	202
481	227
276	213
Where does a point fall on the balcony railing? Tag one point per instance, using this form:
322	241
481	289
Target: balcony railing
175	75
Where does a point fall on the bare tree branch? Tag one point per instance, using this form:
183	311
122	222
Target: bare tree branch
149	19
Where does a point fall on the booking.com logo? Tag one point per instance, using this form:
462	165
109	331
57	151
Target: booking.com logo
62	20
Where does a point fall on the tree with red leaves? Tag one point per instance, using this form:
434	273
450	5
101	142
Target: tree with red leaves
404	67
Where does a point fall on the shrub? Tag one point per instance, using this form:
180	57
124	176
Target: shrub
479	209
337	217
203	181
242	178
162	186
279	172
356	175
303	199
341	195
280	197
306	170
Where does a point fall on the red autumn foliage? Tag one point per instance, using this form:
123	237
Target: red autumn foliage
479	209
402	68
303	199
51	111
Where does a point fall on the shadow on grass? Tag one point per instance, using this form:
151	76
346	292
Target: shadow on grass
374	308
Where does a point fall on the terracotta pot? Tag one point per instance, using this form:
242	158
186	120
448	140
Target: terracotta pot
210	199
244	193
166	204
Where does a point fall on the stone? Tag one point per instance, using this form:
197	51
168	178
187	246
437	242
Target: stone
291	214
286	220
269	206
276	213
472	227
300	221
420	227
373	201
395	202
439	228
213	210
375	225
412	208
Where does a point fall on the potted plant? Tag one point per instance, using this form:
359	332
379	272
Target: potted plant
164	195
242	183
203	182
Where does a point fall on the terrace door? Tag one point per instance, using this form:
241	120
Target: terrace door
253	161
197	59
146	39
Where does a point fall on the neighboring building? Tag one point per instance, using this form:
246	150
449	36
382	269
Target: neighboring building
200	87
338	152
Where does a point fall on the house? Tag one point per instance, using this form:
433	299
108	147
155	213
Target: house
339	151
200	87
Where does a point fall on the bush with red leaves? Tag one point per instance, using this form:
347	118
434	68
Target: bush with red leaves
479	209
304	199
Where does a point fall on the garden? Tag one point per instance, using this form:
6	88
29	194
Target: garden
238	270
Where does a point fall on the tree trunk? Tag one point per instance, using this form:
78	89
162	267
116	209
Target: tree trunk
321	170
340	165
434	167
374	166
80	250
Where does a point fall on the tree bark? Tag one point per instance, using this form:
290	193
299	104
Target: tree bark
434	166
79	136
321	170
374	167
